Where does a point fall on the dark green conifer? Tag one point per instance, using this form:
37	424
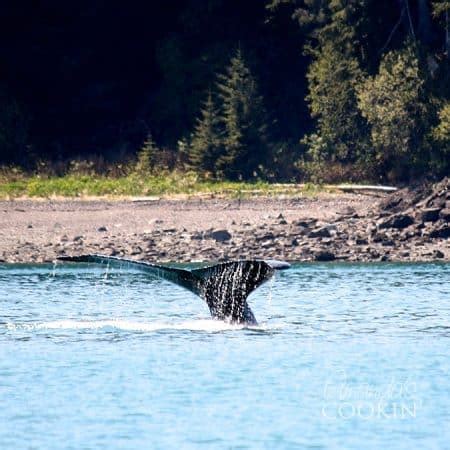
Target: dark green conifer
206	141
245	131
146	158
333	76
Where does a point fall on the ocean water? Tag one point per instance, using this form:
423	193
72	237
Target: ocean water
345	356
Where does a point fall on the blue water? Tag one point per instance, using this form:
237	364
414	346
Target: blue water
346	356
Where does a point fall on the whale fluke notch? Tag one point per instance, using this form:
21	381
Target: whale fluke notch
224	286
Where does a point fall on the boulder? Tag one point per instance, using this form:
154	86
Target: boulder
305	223
445	214
319	232
441	232
398	221
324	256
220	235
429	214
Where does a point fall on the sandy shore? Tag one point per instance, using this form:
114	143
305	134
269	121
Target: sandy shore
327	227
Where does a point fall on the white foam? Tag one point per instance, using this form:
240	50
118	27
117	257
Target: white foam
207	325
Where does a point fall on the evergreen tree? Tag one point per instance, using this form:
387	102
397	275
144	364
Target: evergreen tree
332	79
441	9
146	158
206	141
245	142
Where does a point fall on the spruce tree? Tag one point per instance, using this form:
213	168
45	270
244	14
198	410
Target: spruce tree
146	158
333	76
245	141
206	140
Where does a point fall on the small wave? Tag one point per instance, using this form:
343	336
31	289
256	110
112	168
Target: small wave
207	325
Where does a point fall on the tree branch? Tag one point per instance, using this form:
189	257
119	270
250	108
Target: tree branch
391	34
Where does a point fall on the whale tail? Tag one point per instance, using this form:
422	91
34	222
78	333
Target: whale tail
224	287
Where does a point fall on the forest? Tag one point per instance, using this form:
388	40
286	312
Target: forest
276	90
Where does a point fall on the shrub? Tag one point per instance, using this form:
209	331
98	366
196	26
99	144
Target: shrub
393	104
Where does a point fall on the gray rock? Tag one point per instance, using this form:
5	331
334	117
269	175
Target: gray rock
305	223
220	235
371	228
438	202
379	237
319	232
324	256
265	236
102	229
429	214
441	232
347	211
398	221
445	214
136	251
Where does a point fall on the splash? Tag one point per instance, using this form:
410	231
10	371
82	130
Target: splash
207	325
105	276
269	294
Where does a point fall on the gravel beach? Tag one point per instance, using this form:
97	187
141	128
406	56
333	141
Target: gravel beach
404	226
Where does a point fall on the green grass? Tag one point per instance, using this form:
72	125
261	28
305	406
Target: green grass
133	185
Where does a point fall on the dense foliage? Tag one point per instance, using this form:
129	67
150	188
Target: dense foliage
277	89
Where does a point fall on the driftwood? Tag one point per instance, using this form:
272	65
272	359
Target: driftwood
358	187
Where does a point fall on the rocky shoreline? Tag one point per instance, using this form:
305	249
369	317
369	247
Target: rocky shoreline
408	225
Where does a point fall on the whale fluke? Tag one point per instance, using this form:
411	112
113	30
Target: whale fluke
224	286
